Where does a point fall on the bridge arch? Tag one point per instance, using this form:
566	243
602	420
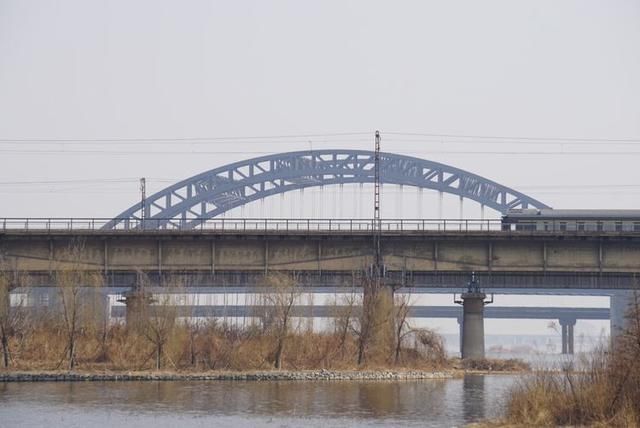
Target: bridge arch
211	193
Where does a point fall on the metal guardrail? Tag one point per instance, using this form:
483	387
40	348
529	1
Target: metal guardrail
248	225
233	225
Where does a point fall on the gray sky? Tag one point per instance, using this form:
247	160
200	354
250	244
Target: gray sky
166	69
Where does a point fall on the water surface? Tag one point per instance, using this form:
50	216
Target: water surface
431	403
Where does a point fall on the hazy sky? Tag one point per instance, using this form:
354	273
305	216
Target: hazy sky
116	70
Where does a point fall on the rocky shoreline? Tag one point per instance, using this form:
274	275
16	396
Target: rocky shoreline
313	375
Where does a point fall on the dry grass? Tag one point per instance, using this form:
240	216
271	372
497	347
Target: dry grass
73	333
490	364
210	347
605	393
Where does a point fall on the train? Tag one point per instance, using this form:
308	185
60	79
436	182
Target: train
552	220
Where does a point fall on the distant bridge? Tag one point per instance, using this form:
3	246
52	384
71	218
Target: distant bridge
322	311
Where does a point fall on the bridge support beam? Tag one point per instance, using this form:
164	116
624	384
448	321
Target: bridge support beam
567	325
472	345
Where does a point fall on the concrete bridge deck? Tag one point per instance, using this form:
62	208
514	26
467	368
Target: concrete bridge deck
417	258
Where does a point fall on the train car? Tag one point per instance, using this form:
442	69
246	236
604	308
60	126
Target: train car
550	220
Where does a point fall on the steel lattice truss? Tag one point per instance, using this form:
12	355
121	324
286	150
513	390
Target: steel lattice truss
207	195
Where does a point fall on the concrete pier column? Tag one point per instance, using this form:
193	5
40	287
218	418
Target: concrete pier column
473	325
619	306
567	324
570	338
460	333
138	302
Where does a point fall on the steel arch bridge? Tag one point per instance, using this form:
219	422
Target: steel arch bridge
190	202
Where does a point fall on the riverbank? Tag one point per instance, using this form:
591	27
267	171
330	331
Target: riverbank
281	375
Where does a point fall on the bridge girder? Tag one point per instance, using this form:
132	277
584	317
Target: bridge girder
209	194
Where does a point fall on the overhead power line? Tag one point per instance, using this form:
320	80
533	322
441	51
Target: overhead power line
303	138
178	139
70	181
527	138
261	152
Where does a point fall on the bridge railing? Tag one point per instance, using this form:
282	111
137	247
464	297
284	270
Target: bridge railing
249	225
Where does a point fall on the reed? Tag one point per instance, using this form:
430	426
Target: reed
603	391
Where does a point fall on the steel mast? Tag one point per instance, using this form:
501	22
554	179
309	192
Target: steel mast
378	267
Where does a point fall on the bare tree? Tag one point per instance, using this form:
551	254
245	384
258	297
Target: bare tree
401	323
158	328
344	314
9	318
159	322
282	294
375	320
431	344
192	325
73	280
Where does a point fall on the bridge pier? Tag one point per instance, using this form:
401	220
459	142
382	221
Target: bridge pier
472	336
567	325
619	306
472	325
138	302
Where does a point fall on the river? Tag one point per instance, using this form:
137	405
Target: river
432	403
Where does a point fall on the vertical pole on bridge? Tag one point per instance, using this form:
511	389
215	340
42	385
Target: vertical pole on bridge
143	198
378	269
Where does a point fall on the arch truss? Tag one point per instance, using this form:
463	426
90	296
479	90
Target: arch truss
207	195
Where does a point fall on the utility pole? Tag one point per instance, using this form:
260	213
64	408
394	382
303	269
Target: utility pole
143	198
378	267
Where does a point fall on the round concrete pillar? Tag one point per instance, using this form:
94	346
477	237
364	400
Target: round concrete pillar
137	302
473	325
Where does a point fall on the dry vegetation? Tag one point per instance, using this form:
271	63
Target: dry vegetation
171	344
74	332
606	393
495	365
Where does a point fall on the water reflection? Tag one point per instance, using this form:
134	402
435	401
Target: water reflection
426	403
474	397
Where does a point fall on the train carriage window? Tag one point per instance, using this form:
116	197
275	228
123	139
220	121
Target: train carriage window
636	226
